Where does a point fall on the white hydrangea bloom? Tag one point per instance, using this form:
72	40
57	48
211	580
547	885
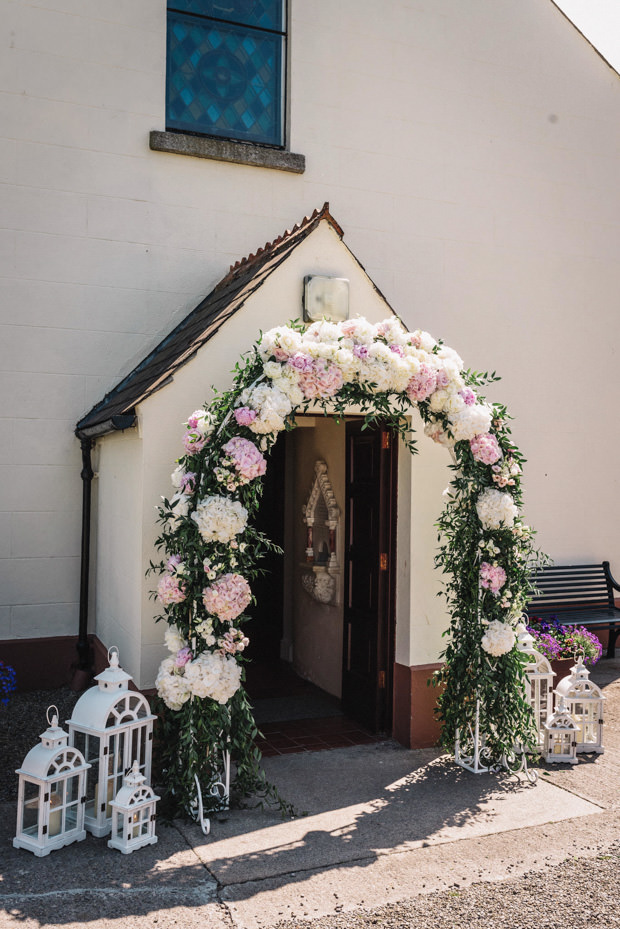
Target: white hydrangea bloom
272	407
280	339
172	685
213	675
498	639
496	509
470	421
434	431
220	519
173	639
322	331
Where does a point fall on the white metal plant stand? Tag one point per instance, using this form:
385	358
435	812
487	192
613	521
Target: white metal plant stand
471	753
219	790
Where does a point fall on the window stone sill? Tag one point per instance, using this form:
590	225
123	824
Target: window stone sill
242	153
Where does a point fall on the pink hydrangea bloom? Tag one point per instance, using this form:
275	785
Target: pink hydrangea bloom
301	362
485	448
323	380
422	384
247	460
183	656
468	396
492	577
360	351
228	597
245	416
194	441
398	350
170	590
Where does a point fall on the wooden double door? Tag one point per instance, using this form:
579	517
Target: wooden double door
369	576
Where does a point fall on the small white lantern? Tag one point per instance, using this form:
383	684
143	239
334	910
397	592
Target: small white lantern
111	725
561	736
584	700
539	682
133	813
52	786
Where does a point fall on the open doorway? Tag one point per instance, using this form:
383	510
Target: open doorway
312	656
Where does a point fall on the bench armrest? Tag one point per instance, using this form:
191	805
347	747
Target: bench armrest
613	582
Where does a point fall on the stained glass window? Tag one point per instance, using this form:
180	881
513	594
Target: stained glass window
225	74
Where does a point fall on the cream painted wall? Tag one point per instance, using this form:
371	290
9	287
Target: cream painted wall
118	566
470	151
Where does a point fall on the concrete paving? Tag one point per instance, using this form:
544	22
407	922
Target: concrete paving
381	824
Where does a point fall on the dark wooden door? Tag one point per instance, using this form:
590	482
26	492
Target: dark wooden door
369	565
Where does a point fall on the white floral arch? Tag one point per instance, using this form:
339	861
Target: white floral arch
213	549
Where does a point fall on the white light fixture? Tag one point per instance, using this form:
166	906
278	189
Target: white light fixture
325	298
133	813
584	700
52	785
112	726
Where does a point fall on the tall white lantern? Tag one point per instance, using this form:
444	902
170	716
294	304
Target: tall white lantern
112	726
560	736
584	700
539	683
133	814
52	784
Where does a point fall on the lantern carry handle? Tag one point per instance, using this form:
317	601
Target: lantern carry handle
113	651
51	722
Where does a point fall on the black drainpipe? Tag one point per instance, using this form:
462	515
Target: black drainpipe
83	673
84	668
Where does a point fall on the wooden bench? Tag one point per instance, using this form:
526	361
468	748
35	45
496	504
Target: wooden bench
578	595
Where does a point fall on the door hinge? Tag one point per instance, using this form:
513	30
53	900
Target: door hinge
385	440
383	561
381	679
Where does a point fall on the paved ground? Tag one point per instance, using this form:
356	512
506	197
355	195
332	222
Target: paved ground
391	837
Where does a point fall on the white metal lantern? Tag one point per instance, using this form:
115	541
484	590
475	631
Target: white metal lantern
539	683
561	736
584	700
133	813
52	787
112	726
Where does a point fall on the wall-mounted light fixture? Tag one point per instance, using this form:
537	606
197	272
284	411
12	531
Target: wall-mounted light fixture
325	297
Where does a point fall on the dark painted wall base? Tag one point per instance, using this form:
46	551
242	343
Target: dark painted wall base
415	725
44	664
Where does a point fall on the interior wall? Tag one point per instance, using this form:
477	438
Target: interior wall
317	627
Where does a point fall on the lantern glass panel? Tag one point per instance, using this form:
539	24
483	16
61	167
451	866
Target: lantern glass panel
30	818
57	802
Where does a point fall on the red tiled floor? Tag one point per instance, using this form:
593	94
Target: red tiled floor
312	735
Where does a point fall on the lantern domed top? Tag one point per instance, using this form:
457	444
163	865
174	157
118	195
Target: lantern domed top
52	756
537	662
110	703
577	685
135	790
562	718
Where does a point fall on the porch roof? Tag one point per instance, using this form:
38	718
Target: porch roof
117	409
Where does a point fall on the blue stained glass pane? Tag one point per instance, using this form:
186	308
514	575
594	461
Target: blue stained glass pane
268	14
222	82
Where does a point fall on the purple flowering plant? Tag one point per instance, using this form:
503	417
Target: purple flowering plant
8	682
555	641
